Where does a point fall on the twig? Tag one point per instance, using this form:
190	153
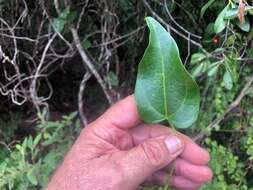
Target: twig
232	106
119	38
5	145
80	97
188	50
53	26
81	15
89	63
33	88
57	7
18	37
169	26
178	25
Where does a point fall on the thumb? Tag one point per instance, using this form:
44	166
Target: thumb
150	156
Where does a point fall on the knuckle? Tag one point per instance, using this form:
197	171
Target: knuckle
153	152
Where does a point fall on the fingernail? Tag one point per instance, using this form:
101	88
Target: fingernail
174	144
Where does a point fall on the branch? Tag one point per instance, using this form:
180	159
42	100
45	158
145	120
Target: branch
80	97
33	88
89	63
232	106
57	7
177	24
169	26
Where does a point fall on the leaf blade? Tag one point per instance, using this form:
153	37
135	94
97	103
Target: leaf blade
164	89
220	22
205	7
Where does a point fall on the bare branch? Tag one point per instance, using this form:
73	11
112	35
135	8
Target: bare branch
80	97
178	25
33	89
90	65
169	26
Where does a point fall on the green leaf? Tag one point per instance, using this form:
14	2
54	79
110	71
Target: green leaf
72	16
209	31
30	142
164	90
37	140
64	15
213	69
220	23
227	79
86	44
251	11
198	70
231	13
73	115
31	177
205	7
58	24
230	40
113	79
245	26
197	57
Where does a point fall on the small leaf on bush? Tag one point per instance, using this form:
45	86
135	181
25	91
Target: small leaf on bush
58	24
198	70
31	177
220	23
72	16
212	69
37	140
197	57
251	11
113	79
164	90
231	13
245	26
227	79
86	44
205	7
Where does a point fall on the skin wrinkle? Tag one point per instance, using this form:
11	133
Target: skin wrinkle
153	152
116	136
93	147
107	156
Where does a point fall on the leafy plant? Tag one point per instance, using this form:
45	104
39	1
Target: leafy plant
31	162
164	89
113	37
231	12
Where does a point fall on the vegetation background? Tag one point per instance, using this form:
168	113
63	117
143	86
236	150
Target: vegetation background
66	61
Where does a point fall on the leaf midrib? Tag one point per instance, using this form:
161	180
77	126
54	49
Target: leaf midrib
166	116
164	80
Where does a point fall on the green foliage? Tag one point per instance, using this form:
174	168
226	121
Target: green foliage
112	34
220	23
30	163
228	169
65	17
164	89
230	15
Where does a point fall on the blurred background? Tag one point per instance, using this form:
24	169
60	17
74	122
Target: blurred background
63	62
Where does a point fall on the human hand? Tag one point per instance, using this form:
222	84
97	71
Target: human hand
118	152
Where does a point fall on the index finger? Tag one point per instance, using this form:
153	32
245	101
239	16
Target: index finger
123	114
